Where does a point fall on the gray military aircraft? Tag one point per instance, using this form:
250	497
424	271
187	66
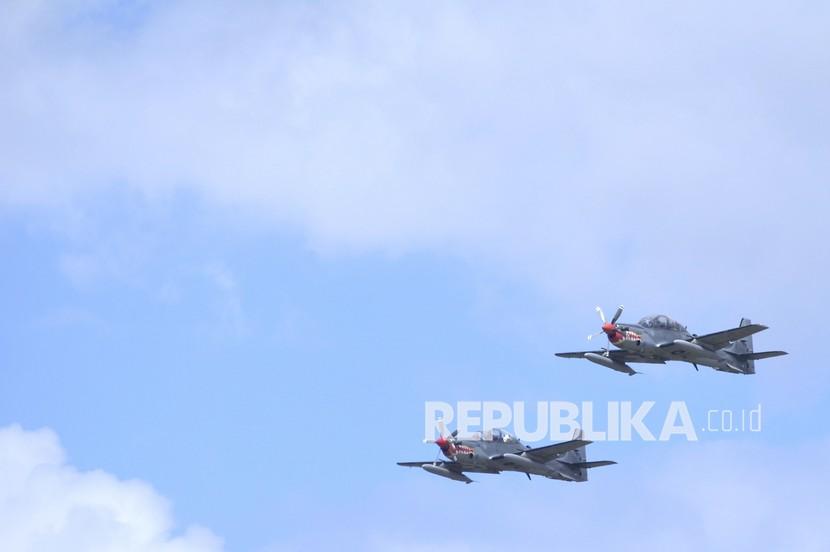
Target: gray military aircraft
497	451
656	339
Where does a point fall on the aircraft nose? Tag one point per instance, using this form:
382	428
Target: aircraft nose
608	327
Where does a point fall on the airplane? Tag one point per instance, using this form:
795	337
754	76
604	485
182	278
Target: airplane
657	339
497	451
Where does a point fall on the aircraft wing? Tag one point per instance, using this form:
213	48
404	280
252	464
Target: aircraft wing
549	452
452	466
617	355
719	340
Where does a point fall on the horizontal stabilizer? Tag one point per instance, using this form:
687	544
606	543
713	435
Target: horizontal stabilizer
597	464
762	355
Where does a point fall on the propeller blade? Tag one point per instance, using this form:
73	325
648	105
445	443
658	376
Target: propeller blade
601	314
442	431
447	436
592	336
617	314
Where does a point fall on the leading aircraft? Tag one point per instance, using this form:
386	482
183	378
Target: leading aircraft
657	339
497	451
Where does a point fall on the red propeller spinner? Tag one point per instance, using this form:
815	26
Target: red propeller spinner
609	328
446	444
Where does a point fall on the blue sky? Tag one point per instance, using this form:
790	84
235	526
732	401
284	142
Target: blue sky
243	245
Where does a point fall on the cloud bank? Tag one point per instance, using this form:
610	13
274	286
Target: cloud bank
47	505
542	140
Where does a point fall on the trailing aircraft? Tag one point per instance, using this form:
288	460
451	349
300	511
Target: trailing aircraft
497	451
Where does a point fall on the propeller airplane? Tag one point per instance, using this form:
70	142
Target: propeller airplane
658	339
497	451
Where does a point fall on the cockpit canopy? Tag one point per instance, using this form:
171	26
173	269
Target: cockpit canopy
498	435
661	321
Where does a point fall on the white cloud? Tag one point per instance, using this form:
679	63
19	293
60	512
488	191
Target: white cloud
543	140
663	159
669	160
48	505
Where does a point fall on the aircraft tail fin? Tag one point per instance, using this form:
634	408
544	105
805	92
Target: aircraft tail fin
743	349
577	463
575	459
